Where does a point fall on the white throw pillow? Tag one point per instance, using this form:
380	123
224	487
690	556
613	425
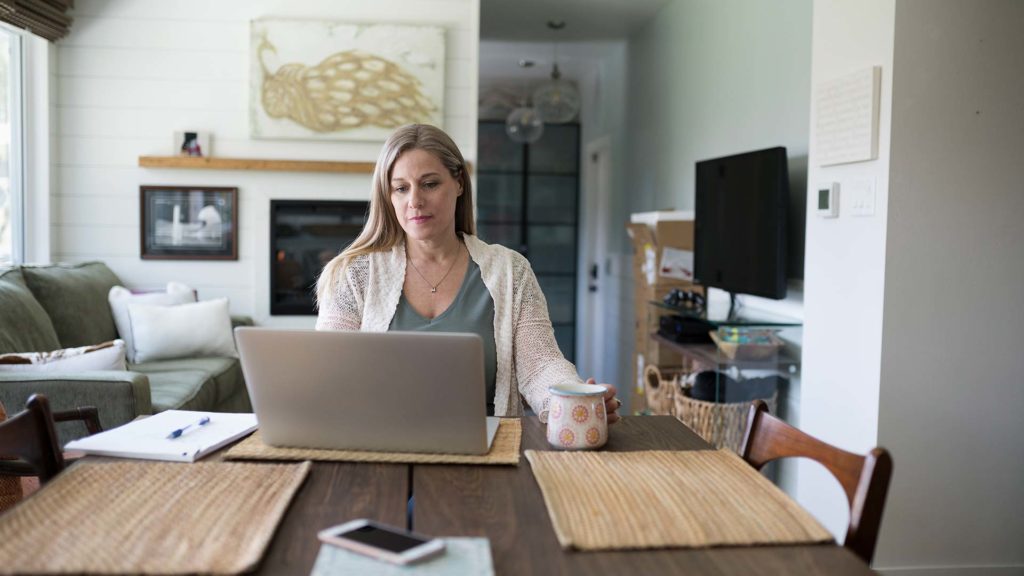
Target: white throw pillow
200	329
120	297
105	356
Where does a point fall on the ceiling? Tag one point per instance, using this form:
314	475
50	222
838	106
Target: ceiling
526	20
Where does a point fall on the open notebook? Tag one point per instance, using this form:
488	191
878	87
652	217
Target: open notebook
147	438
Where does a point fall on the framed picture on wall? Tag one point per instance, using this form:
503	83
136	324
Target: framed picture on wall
188	223
192	143
343	81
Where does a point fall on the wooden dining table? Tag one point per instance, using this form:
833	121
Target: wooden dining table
505	505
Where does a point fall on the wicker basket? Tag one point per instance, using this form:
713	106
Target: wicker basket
658	391
660	384
721	424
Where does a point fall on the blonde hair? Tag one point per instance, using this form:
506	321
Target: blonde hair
382	231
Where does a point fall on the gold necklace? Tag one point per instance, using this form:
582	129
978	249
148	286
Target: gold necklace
433	287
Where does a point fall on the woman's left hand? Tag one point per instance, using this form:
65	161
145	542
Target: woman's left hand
611	403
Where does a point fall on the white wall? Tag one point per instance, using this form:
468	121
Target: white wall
709	79
844	271
131	73
952	372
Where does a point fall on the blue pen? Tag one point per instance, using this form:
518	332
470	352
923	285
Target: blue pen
202	422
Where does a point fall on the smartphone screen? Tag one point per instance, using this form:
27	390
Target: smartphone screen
381	538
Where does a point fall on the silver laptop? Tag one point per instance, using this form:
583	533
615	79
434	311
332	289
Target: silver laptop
393	391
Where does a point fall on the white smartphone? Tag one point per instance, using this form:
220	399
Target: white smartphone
382	542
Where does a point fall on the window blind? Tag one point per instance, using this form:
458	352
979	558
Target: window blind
46	18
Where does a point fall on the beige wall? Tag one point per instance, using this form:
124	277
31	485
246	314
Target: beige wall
952	371
911	331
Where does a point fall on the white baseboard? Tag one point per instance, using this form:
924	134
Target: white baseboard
1015	570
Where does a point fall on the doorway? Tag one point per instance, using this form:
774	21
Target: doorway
594	291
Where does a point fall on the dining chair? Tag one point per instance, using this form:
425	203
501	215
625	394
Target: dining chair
865	479
31	436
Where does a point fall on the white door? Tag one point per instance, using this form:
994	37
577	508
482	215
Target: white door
593	307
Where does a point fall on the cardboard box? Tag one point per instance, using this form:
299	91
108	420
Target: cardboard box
662	247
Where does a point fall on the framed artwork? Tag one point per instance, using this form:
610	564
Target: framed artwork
317	80
188	223
192	143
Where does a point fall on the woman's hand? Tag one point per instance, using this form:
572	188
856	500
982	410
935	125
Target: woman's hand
611	403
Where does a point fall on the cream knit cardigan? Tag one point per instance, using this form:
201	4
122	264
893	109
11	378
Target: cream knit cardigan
528	358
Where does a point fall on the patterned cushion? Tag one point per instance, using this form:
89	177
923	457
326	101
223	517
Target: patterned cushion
105	356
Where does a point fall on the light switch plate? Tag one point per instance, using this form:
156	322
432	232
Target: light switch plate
827	199
861	196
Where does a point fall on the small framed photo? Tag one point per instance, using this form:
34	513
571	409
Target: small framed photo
189	223
192	143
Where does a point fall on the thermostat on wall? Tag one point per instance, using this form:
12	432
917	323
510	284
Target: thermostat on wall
828	200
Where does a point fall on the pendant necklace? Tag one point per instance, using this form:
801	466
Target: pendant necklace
433	287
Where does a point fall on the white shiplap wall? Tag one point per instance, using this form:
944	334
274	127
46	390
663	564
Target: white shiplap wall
132	72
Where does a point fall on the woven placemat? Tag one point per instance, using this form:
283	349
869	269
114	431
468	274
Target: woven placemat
661	499
504	450
149	518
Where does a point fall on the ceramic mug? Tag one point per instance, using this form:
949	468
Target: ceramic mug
576	417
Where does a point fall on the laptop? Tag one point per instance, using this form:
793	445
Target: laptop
387	392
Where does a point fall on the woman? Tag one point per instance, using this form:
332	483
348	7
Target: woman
421	222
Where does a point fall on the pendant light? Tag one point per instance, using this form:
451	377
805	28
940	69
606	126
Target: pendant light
557	100
524	124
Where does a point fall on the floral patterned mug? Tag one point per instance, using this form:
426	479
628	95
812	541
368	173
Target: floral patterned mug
576	417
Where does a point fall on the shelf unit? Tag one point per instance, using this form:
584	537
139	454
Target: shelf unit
718	317
709	354
735	382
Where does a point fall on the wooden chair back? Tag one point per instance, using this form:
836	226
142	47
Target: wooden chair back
87	414
30	435
865	479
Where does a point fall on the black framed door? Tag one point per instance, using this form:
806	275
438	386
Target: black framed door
528	199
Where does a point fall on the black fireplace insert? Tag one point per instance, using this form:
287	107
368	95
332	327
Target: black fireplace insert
305	235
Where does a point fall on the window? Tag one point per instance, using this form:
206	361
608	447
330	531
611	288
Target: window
11	192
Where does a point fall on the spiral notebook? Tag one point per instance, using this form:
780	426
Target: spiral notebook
173	435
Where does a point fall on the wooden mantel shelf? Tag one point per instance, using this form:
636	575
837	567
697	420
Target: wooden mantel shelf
214	163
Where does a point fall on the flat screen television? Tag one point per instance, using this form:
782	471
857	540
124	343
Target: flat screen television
740	223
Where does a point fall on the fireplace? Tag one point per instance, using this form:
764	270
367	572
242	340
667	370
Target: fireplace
305	235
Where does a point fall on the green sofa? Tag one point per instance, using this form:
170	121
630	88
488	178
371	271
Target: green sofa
45	308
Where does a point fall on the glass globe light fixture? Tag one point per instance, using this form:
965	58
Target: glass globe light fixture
557	100
524	125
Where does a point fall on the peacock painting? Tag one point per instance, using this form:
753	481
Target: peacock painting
344	82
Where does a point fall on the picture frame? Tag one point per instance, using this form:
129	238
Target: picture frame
192	143
188	223
343	81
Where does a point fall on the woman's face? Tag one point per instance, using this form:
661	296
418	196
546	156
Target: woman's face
424	194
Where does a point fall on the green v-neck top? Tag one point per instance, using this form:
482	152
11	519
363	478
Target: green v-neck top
472	311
